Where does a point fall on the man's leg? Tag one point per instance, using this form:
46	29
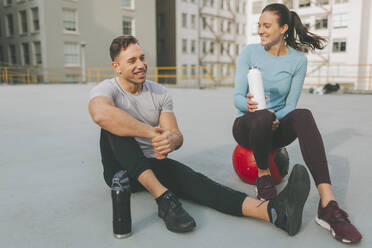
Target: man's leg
285	210
124	153
120	153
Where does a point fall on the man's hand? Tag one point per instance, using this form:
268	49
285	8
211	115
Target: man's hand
164	143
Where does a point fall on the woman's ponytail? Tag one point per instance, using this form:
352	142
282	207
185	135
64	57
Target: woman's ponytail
297	35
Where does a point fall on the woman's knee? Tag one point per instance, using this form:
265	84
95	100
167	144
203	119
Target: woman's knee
303	113
262	118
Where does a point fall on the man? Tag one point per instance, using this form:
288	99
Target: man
139	130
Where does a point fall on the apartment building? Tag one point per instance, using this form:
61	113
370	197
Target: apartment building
347	24
72	33
203	37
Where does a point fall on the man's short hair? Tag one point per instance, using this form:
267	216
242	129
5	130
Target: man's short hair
120	43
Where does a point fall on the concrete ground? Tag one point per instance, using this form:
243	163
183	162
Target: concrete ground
52	193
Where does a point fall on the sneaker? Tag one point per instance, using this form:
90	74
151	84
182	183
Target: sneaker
336	221
285	210
265	188
175	217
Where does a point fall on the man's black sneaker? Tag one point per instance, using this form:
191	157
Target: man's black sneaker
285	210
171	211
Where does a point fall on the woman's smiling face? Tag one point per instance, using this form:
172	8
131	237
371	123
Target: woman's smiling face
270	31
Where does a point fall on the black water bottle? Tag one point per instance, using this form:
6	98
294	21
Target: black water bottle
120	194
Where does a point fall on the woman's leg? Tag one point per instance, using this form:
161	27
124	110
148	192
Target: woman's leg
300	123
253	131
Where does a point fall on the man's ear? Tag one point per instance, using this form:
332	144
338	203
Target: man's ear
115	66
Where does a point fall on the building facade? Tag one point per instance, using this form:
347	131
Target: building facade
347	25
202	38
72	33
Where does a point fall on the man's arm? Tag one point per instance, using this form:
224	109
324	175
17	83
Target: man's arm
115	120
171	137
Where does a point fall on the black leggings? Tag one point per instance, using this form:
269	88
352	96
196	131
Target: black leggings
120	153
253	131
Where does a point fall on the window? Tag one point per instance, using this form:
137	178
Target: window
184	69
237	28
12	55
128	26
161	21
69	20
221	48
211	47
288	3
221	26
193	21
128	4
7	2
306	21
228	27
23	21
193	69
244	7
204	47
193	44
184	20
26	53
71	53
212	3
228	48
256	7
212	24
204	21
339	46
1	56
321	22
35	19
184	45
227	4
204	3
222	4
9	26
322	2
243	31
340	20
254	28
37	52
304	3
237	49
161	46
237	6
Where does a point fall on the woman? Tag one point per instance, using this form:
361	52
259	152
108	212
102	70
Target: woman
283	66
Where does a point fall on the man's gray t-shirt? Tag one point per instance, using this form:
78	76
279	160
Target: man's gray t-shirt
145	107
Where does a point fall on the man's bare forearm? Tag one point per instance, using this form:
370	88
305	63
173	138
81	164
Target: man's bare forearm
117	121
178	139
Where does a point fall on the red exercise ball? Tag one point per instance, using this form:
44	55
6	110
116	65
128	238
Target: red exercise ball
246	168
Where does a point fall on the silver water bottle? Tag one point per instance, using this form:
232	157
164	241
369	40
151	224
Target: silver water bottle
120	194
256	87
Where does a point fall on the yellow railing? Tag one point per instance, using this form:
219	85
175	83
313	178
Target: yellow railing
356	76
